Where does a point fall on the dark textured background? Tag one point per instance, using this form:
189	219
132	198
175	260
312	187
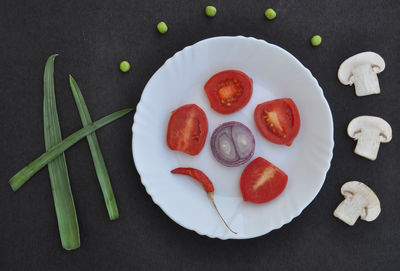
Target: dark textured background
92	37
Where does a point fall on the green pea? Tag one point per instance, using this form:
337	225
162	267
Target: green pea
162	27
211	11
270	14
124	66
316	40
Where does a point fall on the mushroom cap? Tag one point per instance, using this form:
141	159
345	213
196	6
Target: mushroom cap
373	207
366	58
360	123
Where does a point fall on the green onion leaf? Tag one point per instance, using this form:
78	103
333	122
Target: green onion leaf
98	160
27	172
59	180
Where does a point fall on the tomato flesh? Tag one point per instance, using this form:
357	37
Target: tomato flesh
229	91
261	181
187	129
278	120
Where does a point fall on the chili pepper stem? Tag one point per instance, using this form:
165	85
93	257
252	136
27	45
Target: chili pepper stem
211	197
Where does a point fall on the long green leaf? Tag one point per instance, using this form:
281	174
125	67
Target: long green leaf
27	172
97	156
60	185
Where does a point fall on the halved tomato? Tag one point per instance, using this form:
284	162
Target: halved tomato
278	120
187	129
229	91
261	181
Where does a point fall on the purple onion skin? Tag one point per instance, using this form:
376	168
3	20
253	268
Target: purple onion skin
228	127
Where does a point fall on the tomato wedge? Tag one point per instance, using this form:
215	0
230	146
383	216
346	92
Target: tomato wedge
261	181
187	129
278	120
229	91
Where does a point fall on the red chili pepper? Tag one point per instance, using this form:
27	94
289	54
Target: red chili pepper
196	174
207	185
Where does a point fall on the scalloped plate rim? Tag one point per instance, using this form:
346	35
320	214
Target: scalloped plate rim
299	210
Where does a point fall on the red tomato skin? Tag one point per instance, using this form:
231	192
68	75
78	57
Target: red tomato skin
193	143
198	175
267	191
292	130
211	88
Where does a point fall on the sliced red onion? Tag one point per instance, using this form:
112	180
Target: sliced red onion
232	144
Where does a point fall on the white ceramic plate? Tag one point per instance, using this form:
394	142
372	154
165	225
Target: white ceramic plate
276	74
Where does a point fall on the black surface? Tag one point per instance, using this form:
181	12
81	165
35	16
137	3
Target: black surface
92	37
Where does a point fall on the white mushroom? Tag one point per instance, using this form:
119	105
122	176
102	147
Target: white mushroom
361	70
369	132
360	201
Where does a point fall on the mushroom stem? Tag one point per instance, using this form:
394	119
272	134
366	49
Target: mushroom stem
365	80
351	209
368	143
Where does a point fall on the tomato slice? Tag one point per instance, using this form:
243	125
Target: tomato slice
187	129
229	91
261	181
278	120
